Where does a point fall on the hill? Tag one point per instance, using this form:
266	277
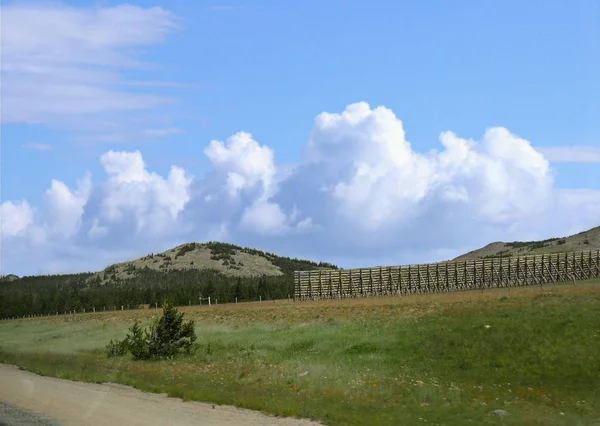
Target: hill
587	240
184	275
226	259
8	278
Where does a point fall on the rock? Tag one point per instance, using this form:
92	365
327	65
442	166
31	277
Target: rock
500	413
303	374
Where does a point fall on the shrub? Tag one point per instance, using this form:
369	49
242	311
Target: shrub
166	337
117	348
185	249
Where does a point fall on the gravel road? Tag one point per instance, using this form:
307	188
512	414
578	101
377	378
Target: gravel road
30	399
13	416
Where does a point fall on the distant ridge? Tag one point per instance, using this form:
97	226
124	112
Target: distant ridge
587	240
8	278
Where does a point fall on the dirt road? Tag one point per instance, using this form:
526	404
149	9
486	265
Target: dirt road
76	403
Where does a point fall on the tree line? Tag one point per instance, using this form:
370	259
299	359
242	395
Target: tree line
49	294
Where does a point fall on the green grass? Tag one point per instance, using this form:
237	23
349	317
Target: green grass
443	359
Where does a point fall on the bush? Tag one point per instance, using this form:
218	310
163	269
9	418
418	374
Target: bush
166	337
117	348
185	249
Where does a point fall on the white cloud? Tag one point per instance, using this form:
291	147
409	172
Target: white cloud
63	65
571	154
379	180
151	200
38	146
243	162
16	218
131	209
264	217
65	207
360	195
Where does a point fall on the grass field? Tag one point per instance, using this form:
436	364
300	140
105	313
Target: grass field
446	359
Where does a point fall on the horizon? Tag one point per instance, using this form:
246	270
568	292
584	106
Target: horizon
313	260
363	133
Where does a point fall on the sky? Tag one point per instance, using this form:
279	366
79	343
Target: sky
359	133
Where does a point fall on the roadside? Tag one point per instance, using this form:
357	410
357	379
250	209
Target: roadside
77	403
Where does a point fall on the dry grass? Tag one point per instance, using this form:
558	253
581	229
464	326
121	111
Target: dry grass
290	312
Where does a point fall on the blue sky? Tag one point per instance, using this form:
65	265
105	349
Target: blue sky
126	91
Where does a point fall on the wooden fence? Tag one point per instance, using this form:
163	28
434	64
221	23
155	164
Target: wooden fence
447	276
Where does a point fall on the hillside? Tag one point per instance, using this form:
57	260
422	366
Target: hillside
588	240
184	275
227	259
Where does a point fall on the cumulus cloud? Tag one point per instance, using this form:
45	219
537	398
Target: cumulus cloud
363	162
131	191
63	65
264	217
132	207
360	195
243	163
16	218
65	207
246	171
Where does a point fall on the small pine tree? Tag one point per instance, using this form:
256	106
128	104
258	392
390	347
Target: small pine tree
165	337
138	342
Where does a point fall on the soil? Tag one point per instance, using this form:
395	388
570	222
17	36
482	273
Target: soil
55	401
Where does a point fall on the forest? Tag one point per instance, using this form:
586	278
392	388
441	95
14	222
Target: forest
52	294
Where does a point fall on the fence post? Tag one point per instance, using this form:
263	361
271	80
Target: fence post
208	300
236	300
542	274
260	299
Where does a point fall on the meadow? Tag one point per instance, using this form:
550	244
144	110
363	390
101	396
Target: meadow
442	359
